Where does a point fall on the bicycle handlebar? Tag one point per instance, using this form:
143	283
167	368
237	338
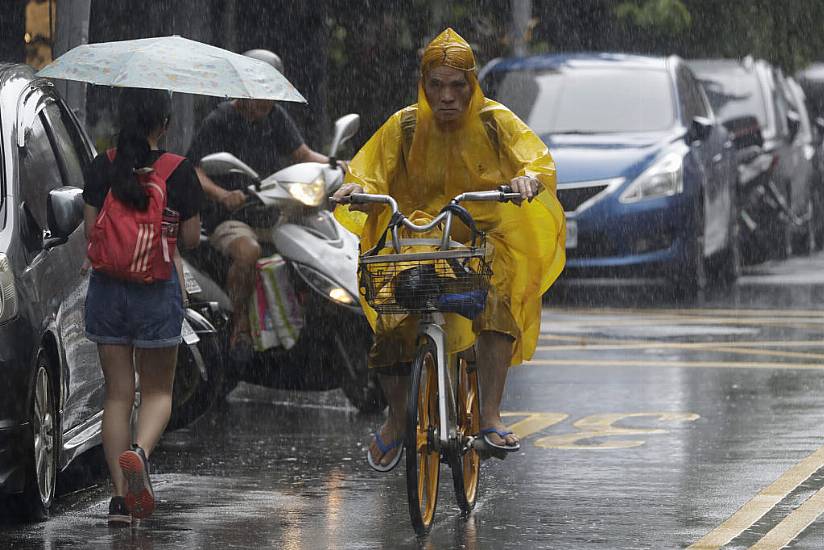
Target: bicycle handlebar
503	194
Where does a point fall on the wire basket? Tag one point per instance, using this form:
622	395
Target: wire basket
452	281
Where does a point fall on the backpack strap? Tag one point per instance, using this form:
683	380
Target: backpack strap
166	165
409	120
163	166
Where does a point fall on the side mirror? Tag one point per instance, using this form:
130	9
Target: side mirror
699	130
64	213
793	123
345	127
223	164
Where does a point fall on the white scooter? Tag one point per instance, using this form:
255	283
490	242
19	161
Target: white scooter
292	208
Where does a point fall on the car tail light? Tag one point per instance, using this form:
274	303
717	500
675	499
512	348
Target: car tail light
8	294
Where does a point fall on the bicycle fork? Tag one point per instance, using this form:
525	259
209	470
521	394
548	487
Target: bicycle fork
448	421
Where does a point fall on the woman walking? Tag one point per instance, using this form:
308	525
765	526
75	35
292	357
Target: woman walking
139	202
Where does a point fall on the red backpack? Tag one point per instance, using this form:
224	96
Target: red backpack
134	245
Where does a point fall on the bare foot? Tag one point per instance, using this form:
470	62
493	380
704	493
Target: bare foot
389	435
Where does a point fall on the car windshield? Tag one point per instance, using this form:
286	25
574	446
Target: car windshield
586	101
733	92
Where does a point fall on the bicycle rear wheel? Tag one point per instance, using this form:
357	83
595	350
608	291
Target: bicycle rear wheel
466	463
423	460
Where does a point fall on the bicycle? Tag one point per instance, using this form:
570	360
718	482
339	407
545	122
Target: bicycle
443	409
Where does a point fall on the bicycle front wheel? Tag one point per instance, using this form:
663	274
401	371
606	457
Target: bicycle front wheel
422	457
466	462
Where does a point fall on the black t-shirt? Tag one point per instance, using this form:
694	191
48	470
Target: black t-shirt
265	144
183	188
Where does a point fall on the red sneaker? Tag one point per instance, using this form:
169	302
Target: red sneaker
140	500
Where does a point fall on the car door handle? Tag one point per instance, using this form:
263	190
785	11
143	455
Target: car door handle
718	157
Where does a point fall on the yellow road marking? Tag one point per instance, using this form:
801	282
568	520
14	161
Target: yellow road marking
687	312
672	363
793	525
761	503
801	322
631	343
686	346
534	422
599	426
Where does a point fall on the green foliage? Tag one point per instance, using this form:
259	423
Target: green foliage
668	16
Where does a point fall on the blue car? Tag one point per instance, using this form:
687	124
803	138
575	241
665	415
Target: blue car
646	173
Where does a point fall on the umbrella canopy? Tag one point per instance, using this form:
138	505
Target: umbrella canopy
173	63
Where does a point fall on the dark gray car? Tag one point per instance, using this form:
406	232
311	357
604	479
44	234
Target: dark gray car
52	400
777	178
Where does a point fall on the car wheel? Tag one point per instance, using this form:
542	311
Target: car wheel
817	219
730	268
782	235
41	460
691	280
810	241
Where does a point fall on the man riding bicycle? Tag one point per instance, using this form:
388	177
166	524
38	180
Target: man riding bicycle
455	140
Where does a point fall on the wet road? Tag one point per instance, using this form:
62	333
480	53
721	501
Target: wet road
644	425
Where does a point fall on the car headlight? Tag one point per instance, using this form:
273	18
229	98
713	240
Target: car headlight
324	285
310	194
8	293
663	179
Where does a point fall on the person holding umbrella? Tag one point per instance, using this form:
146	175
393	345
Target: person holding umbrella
134	312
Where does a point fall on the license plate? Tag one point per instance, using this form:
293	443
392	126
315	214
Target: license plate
571	233
188	333
189	281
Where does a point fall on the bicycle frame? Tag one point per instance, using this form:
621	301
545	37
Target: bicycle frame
432	327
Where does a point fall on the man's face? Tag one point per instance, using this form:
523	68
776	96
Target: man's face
257	109
448	92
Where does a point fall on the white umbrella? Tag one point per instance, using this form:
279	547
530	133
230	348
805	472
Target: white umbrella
173	63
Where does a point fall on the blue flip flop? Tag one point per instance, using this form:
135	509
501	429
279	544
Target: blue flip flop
384	448
502	434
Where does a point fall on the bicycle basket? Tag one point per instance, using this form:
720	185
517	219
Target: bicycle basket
448	281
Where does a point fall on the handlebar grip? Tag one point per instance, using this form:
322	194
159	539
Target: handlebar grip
511	197
358	198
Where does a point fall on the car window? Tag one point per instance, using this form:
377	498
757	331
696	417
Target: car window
798	99
779	99
586	100
689	97
68	144
734	92
39	171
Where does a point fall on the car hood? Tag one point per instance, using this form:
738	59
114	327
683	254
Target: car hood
591	157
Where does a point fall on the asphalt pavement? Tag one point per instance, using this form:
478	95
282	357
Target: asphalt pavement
645	423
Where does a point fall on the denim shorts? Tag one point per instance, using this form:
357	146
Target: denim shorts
134	314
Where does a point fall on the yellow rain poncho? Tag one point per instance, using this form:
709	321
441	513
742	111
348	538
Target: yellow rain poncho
488	146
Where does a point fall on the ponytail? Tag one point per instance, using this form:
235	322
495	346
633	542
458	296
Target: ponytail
140	112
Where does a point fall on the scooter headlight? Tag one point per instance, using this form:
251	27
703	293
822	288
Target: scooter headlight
325	286
310	194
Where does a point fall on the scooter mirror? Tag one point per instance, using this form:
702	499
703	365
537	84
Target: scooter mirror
345	127
221	164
